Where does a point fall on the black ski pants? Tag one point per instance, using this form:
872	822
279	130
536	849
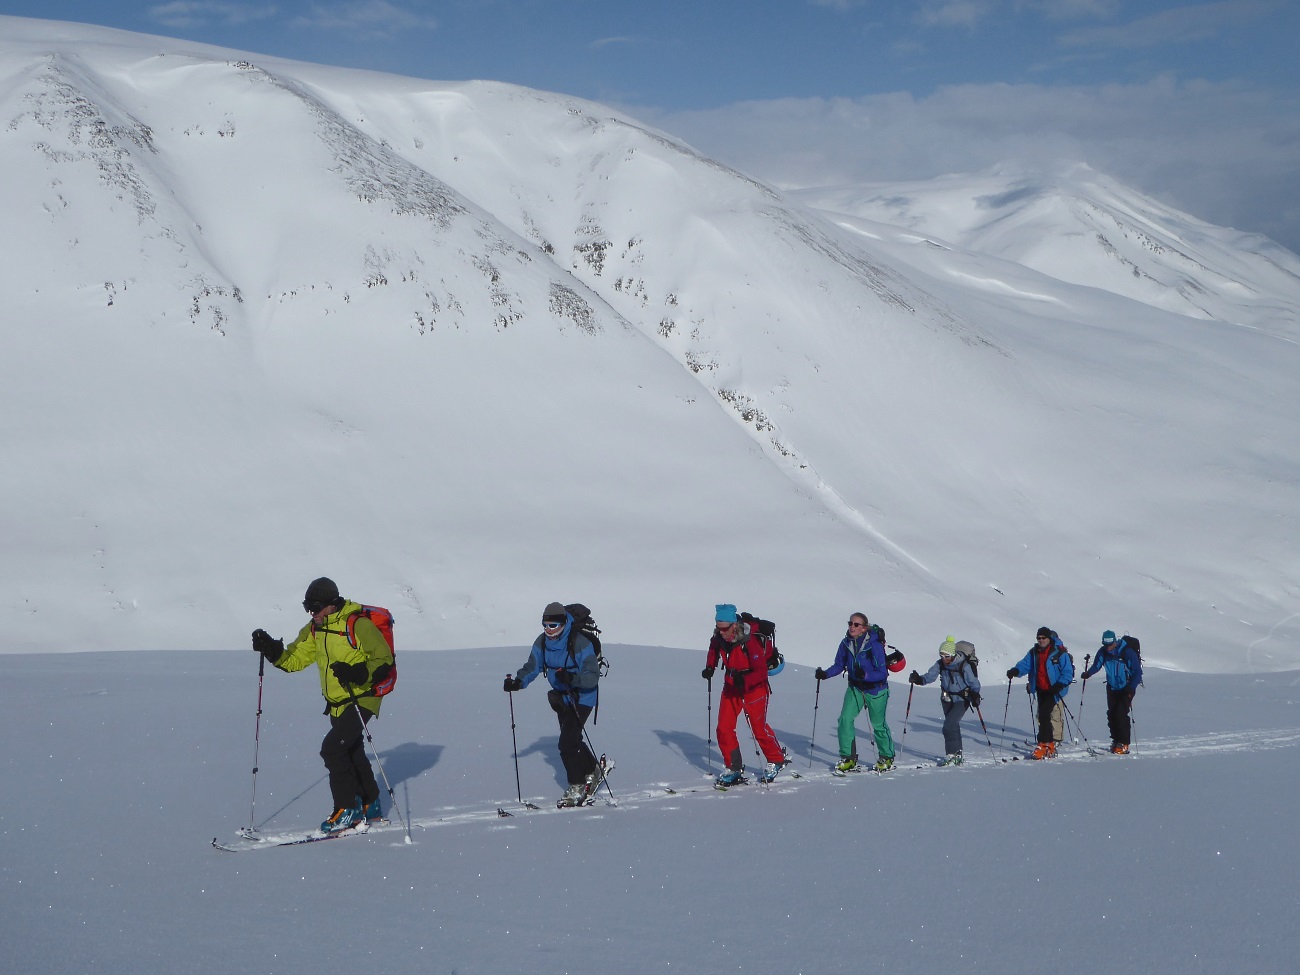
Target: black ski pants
1117	707
344	754
574	753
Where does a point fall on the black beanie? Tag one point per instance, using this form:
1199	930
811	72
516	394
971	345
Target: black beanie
1042	631
321	593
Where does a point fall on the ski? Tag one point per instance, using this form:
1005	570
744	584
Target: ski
249	840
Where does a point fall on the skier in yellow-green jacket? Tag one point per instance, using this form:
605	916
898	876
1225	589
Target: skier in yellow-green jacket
352	657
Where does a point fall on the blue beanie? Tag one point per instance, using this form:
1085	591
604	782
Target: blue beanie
726	613
1108	636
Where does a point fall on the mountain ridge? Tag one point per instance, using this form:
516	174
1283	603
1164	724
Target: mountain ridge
526	344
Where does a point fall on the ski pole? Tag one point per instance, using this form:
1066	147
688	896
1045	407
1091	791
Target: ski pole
256	745
514	745
906	714
1132	728
1083	690
1069	715
1005	709
811	738
365	733
987	736
709	746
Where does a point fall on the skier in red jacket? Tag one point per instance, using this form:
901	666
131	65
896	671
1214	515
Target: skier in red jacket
743	653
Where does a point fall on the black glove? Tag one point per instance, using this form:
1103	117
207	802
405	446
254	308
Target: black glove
737	680
1056	689
381	673
512	684
349	675
973	699
564	678
819	674
267	646
1013	672
915	678
707	673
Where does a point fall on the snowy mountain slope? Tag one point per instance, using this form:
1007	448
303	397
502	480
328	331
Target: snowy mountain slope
1083	227
261	309
1177	859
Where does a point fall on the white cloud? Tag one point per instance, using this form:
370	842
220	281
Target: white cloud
953	13
1072	9
1227	153
1196	22
197	13
369	18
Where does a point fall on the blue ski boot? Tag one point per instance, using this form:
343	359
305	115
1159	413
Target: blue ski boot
345	817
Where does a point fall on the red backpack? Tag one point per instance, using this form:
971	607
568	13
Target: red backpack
383	620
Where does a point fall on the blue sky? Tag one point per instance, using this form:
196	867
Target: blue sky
1197	104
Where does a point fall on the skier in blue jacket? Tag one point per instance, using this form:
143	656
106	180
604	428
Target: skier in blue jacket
573	670
1050	670
861	657
1123	675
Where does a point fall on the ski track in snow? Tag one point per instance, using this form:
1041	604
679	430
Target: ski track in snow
508	814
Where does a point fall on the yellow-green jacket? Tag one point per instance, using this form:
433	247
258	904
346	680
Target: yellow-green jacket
326	643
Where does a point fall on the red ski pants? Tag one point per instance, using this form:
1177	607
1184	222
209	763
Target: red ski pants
754	704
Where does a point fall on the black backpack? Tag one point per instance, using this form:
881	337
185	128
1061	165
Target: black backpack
766	630
584	624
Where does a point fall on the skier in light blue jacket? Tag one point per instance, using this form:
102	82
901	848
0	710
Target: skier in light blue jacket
959	689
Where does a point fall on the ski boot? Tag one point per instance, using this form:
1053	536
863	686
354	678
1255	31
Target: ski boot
884	765
1119	749
730	777
345	817
845	766
374	812
948	760
771	771
574	795
1045	749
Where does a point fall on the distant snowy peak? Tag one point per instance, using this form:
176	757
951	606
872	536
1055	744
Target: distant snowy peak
1085	228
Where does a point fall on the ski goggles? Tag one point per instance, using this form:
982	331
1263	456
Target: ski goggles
552	624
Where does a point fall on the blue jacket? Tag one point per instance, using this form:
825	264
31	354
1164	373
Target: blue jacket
551	654
1123	666
863	658
1060	667
954	678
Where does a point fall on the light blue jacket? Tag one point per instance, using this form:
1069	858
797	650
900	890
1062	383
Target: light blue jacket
1060	667
954	678
551	655
1123	666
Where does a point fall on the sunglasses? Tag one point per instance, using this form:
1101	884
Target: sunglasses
855	625
726	626
1044	639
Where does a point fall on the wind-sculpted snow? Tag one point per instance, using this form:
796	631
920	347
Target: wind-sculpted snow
469	348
